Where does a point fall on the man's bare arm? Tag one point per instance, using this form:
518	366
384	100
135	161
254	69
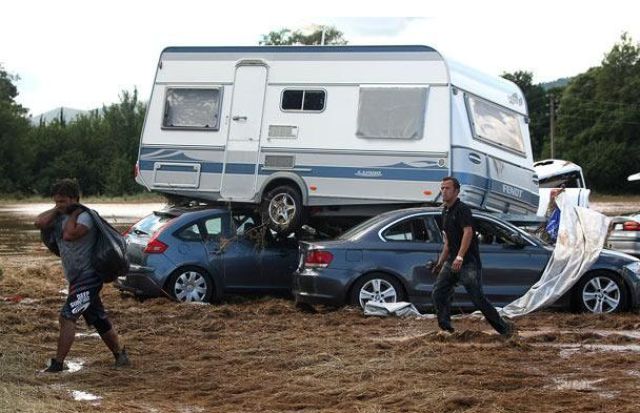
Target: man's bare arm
467	235
46	218
72	230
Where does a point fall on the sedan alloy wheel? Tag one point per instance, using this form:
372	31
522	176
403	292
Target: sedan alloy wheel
601	294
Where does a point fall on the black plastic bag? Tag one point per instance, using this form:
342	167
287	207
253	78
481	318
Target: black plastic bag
110	250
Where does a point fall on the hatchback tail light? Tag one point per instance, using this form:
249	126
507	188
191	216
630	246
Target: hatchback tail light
155	246
631	226
318	259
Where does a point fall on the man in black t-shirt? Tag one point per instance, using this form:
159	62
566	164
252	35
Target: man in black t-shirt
460	262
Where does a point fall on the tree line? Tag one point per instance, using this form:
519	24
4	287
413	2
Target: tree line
99	148
596	116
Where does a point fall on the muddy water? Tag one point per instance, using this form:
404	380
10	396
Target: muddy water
19	236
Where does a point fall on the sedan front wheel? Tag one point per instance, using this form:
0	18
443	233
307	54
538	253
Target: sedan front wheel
601	292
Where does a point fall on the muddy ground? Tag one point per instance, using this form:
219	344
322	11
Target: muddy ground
260	354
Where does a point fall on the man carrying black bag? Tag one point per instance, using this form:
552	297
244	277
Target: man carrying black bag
75	235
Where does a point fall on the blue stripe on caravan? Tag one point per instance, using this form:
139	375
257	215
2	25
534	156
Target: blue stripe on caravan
380	173
399	174
240	168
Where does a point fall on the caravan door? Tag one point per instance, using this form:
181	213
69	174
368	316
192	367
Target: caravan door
243	143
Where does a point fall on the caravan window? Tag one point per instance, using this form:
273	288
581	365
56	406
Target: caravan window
192	108
495	124
391	112
303	100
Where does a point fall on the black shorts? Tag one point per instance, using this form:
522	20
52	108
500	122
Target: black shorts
84	299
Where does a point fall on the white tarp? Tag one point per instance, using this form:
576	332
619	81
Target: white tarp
399	309
581	235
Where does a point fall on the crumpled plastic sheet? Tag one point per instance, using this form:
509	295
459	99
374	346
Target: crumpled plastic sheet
398	309
581	236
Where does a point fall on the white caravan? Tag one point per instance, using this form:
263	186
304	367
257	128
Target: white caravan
333	130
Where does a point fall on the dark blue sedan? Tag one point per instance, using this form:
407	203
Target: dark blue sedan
199	255
387	259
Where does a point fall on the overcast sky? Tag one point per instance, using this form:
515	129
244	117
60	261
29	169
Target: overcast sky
82	53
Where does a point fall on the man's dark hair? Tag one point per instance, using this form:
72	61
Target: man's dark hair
456	183
66	187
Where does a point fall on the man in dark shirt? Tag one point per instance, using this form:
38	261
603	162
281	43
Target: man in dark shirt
75	236
460	262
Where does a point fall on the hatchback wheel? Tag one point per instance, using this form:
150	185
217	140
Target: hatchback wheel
601	293
191	285
379	288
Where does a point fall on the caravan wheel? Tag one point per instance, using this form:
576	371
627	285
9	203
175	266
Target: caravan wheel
282	209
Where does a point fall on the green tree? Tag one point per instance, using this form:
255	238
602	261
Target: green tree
13	127
538	106
284	36
599	118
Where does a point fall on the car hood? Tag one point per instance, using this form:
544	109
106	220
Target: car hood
615	257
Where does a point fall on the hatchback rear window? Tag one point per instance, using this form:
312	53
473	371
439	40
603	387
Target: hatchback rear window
150	224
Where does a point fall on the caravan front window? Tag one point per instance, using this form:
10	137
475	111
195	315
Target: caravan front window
495	124
192	108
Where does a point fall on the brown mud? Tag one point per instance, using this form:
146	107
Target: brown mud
260	354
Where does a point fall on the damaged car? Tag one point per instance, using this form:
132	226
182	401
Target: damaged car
200	254
388	259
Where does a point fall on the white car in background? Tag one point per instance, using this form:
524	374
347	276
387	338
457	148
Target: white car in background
558	173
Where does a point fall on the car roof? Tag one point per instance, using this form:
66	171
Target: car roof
554	167
198	210
398	213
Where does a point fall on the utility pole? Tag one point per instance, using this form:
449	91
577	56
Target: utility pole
552	124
